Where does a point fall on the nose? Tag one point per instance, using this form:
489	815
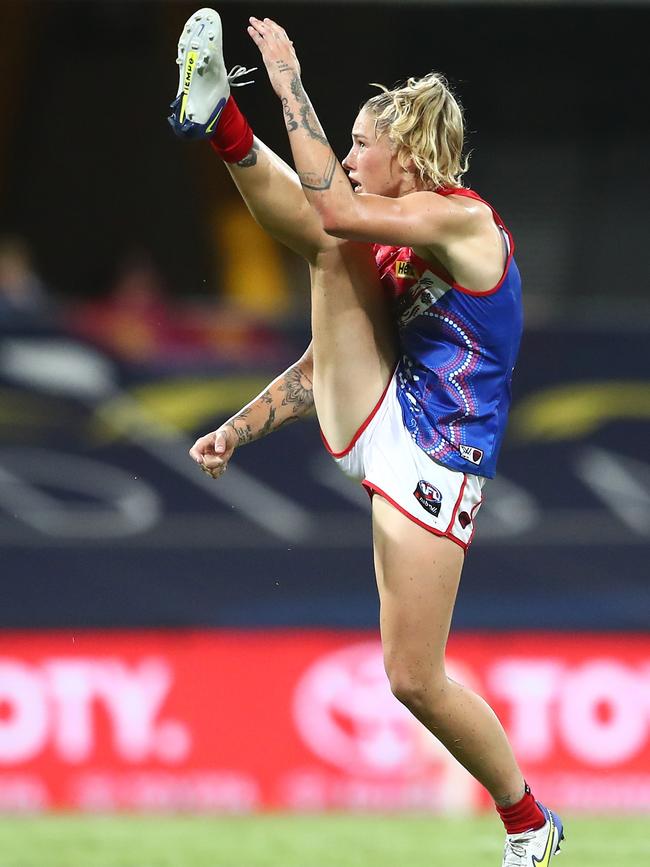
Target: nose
348	162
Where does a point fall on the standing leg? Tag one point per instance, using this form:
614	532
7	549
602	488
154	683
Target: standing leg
417	576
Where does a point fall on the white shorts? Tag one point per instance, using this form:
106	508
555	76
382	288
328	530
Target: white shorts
386	460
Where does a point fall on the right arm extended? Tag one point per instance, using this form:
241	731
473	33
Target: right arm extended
287	398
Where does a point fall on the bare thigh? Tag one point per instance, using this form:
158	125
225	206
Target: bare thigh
354	339
418	575
273	194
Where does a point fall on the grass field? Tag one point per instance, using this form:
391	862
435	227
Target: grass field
306	841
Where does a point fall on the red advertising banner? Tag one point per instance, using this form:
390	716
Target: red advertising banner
240	721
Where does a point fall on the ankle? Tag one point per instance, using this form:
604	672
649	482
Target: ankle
523	815
233	138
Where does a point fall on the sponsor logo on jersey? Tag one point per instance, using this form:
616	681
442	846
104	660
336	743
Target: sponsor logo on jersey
405	270
471	453
428	497
419	297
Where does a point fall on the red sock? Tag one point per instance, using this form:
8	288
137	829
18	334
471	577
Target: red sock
525	815
233	138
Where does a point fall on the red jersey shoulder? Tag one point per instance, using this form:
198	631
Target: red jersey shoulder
399	268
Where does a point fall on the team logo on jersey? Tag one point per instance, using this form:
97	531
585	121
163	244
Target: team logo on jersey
471	453
405	270
419	297
428	497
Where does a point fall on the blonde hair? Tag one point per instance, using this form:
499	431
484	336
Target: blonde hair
425	123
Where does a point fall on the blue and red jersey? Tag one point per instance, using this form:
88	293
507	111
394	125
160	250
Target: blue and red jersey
458	352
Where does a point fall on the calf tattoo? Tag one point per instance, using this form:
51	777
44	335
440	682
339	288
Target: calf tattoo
251	157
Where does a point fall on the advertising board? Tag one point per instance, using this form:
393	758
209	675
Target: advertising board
304	720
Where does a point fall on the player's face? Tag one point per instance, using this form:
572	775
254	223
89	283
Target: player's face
371	163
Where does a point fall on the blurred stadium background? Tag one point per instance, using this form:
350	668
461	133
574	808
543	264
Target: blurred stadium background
174	644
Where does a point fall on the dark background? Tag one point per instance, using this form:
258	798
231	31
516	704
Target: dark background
90	174
555	97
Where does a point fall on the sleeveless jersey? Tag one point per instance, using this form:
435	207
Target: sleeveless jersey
458	351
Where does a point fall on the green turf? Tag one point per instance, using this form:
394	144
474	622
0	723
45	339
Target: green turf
305	841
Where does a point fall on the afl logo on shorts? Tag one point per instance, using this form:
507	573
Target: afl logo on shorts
428	497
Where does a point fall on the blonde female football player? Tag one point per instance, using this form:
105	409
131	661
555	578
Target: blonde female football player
398	248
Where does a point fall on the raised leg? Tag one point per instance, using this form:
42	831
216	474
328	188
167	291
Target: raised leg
417	576
353	346
274	197
353	338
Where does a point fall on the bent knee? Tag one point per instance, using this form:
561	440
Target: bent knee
417	690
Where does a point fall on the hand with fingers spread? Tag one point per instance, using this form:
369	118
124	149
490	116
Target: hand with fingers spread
213	451
277	53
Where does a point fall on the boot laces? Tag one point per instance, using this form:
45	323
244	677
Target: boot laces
238	72
514	854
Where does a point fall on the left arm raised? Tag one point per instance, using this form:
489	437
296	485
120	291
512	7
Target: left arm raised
417	219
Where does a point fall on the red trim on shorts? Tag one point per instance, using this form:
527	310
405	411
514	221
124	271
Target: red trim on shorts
365	424
470	194
373	489
458	502
471	516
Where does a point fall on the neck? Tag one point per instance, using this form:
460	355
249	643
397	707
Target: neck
411	184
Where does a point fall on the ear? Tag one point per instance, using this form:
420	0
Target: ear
409	168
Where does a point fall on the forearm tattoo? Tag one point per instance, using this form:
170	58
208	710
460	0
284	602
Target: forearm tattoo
319	182
251	157
308	119
269	425
297	392
288	114
311	180
242	428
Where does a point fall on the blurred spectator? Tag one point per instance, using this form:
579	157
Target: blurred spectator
138	323
23	296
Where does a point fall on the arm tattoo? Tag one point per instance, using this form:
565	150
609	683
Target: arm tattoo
309	121
251	157
244	433
314	181
283	66
290	120
296	391
301	396
269	424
